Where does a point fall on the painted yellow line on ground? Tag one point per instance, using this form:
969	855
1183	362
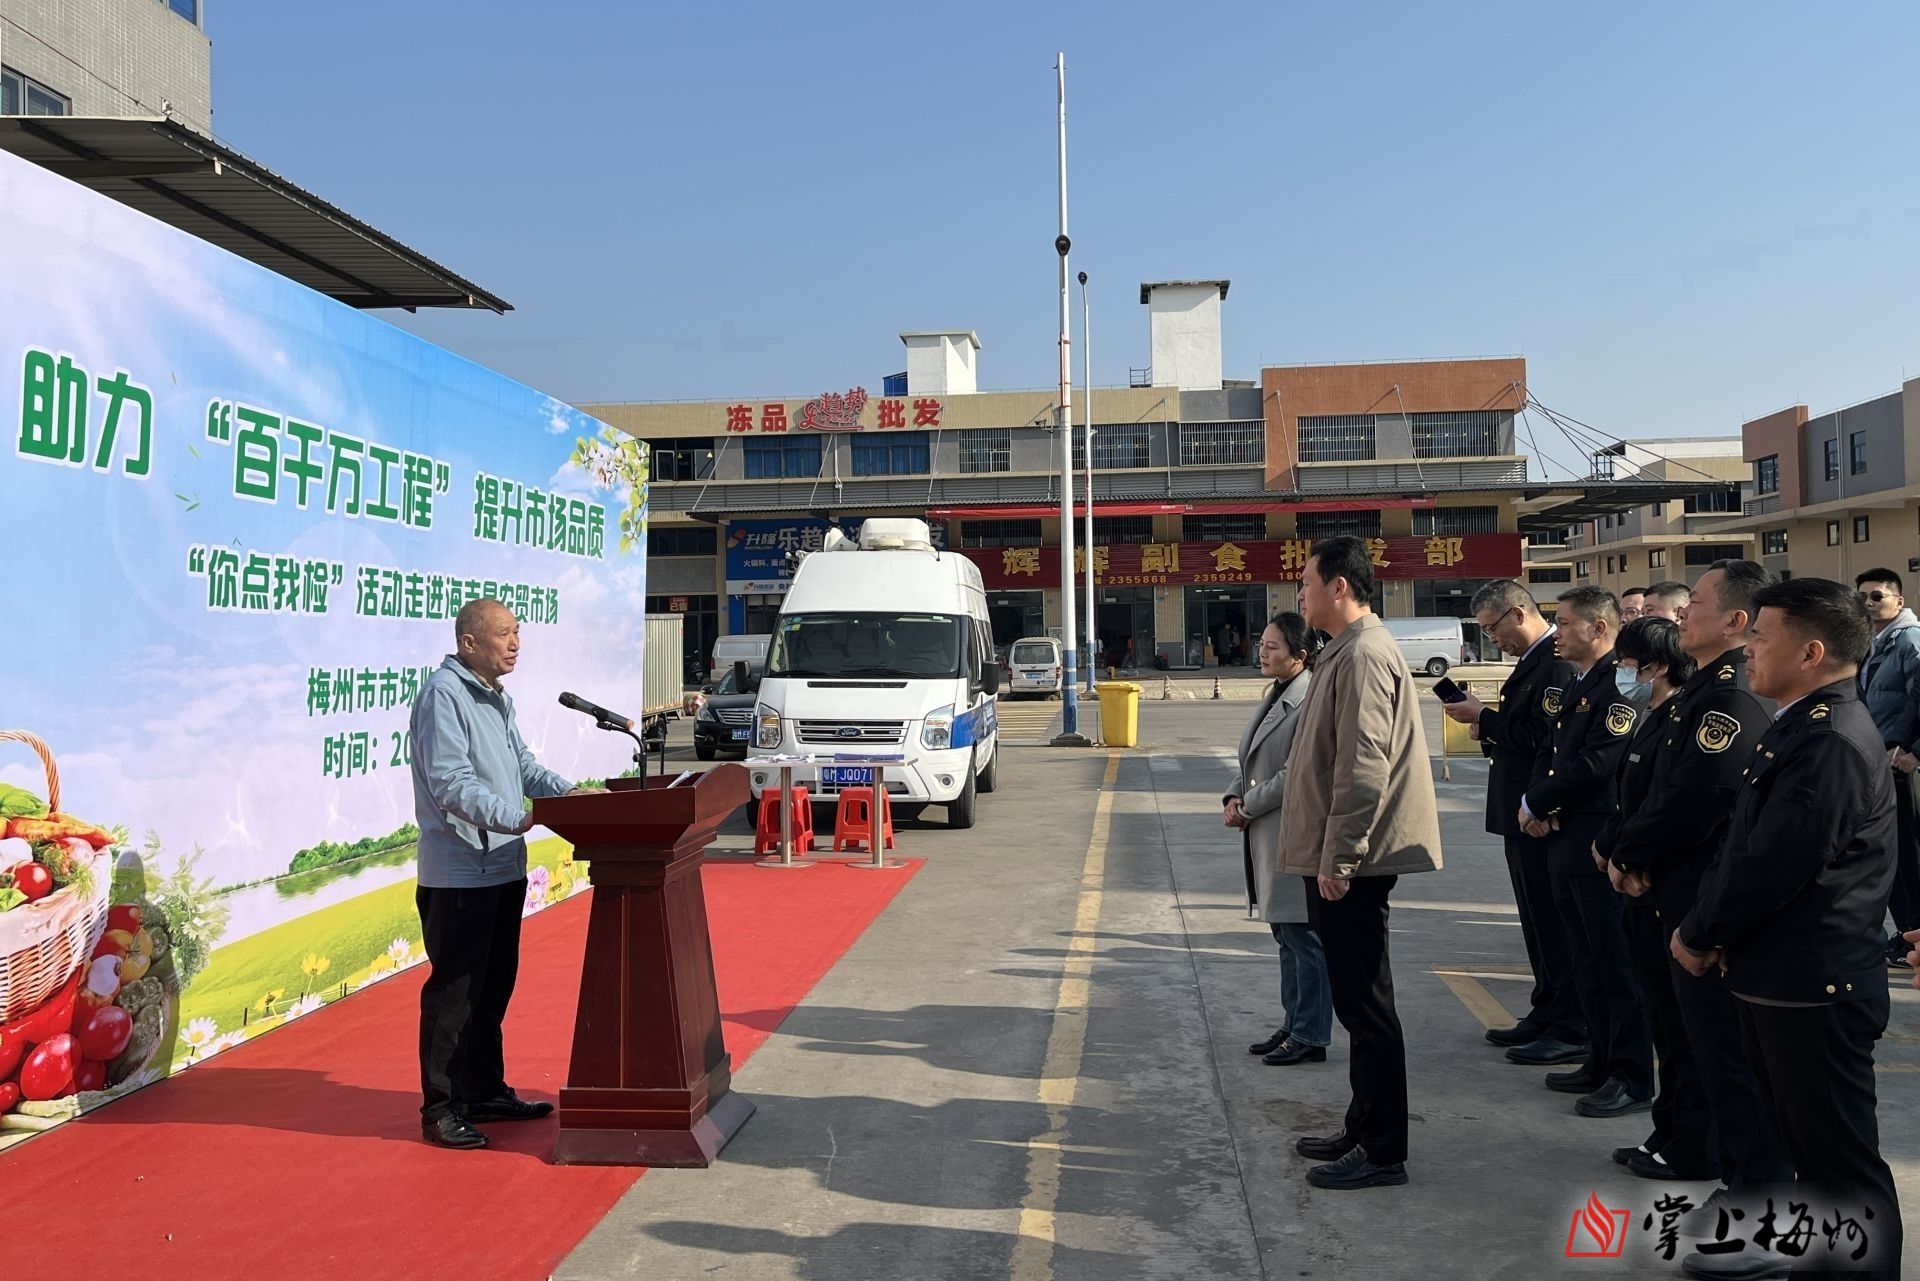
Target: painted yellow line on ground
1479	1002
1060	1075
1478	909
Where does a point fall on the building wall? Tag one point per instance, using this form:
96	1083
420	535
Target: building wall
1893	540
1184	328
1884	425
141	54
1778	433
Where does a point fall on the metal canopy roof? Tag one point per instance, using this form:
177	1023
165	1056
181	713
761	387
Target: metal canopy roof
1590	500
191	182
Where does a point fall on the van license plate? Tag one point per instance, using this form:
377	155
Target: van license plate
741	735
846	776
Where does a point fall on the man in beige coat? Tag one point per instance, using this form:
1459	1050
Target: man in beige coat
1359	814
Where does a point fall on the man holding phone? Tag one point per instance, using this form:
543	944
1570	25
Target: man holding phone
1514	737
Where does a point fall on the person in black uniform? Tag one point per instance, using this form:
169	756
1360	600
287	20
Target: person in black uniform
1569	801
1667	845
1514	738
1649	651
1791	911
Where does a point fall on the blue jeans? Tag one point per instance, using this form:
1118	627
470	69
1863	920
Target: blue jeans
1304	992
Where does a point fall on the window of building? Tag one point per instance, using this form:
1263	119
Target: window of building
1554	574
1833	533
1220	444
1831	448
778	457
987	450
1766	475
1609	564
1726	498
1859	529
1657	559
1122	529
1448	521
680	540
684	458
999	533
1337	438
1707	553
1773	542
23	96
1857	452
1114	445
1474	434
1549	537
1315	526
890	454
1583	568
188	9
1444	597
1223	529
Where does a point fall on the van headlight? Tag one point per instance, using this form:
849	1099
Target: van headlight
767	728
937	733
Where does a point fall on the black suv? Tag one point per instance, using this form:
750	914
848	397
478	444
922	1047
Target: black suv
725	721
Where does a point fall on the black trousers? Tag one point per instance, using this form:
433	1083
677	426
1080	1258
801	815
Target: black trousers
1905	902
1750	1157
1619	1037
1353	932
473	945
1682	1120
1815	1066
1555	1007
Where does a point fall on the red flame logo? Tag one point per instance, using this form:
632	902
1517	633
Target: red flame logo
1596	1231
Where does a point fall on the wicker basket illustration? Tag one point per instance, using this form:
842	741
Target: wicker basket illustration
43	943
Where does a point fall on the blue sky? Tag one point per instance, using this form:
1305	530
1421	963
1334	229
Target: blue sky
1682	215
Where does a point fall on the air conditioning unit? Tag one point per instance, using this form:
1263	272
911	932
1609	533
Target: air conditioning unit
880	534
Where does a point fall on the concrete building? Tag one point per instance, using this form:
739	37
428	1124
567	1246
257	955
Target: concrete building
106	58
1839	493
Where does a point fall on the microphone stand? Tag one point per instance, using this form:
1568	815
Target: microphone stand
639	746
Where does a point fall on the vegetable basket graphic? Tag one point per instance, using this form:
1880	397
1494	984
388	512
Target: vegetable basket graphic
44	941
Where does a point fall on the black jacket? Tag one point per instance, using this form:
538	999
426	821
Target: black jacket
1635	779
1575	782
1516	735
1797	896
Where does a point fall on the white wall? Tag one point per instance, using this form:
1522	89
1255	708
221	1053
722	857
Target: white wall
1184	324
942	364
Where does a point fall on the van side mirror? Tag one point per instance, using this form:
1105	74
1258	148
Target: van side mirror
990	678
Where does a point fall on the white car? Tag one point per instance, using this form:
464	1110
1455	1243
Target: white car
1429	645
1034	666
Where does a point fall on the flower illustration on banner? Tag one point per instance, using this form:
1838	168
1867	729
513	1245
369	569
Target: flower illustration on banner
305	1005
220	1044
266	1003
313	967
400	952
198	1035
615	461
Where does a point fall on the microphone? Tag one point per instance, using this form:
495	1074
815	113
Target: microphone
613	719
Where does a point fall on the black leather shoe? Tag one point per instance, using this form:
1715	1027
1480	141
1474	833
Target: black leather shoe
1624	1156
1354	1171
1546	1052
1292	1052
451	1131
1653	1165
509	1107
1613	1099
1331	1148
1269	1045
1581	1082
1519	1034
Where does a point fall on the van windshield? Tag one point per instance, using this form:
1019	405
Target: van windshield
1033	652
913	646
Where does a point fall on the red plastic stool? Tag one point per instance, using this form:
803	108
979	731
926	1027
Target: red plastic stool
853	820
767	838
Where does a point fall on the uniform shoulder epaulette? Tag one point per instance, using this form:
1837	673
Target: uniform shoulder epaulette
1726	672
1820	716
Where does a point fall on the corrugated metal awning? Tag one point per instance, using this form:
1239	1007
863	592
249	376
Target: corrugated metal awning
187	180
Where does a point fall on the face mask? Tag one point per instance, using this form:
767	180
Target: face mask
1627	680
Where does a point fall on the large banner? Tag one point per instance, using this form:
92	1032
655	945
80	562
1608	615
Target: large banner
239	519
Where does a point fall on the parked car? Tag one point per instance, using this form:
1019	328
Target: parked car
724	723
1034	666
728	650
1430	645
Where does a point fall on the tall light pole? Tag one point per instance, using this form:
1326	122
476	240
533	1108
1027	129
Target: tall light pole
1070	735
1086	410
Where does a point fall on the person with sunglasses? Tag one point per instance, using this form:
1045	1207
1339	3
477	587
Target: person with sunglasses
1890	687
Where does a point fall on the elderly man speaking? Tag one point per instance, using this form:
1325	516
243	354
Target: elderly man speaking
472	776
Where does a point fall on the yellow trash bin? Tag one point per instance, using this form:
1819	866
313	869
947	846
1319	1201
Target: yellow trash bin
1119	712
1457	741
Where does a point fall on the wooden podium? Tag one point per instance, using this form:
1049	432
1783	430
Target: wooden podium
650	1079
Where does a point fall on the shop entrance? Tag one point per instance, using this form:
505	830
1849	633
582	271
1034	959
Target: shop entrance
1014	615
1123	631
1226	621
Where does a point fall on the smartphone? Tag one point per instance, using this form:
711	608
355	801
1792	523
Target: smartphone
1448	691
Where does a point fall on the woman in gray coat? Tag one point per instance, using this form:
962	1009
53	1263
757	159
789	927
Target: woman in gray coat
1252	804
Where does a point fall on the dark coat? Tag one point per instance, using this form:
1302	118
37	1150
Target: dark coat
1575	782
1519	732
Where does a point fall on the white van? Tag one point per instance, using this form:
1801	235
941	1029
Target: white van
1429	645
883	647
744	648
1034	665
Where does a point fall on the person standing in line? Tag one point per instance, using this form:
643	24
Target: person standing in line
1569	801
1890	687
1514	738
1666	847
1680	1144
1791	914
472	776
1666	600
1252	805
1632	604
1359	813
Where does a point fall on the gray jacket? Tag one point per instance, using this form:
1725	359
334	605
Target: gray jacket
1890	682
472	775
1260	783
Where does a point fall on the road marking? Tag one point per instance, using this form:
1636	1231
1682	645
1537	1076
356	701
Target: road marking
1066	1043
1479	1002
1481	909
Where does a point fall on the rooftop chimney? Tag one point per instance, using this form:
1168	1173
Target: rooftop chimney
1183	323
941	362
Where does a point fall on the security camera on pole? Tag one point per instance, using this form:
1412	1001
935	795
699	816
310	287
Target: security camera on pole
1070	735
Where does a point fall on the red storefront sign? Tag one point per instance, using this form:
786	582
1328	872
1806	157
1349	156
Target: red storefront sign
836	411
1268	561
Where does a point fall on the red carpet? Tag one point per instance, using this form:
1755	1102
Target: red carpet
299	1155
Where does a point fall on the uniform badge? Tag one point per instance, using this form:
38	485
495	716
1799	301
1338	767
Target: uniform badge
1581	706
1819	712
1717	732
1552	700
1620	719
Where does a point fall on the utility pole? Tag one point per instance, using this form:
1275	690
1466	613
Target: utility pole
1070	735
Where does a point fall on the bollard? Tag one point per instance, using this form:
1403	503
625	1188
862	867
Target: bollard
1166	689
1216	687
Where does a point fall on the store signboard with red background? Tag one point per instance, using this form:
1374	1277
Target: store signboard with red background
1263	561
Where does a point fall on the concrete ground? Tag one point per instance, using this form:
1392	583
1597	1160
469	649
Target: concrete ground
1034	1065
